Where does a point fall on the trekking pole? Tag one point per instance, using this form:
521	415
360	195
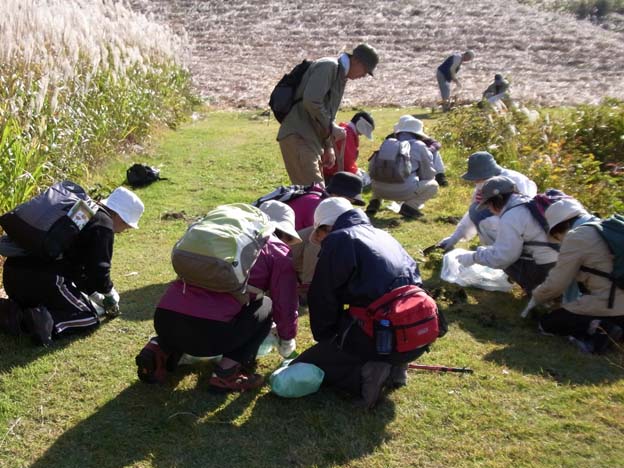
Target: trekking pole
461	370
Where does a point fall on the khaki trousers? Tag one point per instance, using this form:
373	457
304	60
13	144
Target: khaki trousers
302	161
305	256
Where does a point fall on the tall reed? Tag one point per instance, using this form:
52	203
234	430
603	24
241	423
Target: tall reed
77	79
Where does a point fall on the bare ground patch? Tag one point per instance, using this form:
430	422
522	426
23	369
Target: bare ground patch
240	49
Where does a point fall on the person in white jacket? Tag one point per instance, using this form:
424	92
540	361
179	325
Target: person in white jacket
522	249
481	167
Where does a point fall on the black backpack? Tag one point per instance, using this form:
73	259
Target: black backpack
47	225
283	95
140	175
286	193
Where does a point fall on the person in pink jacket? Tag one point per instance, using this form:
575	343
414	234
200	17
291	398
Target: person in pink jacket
193	320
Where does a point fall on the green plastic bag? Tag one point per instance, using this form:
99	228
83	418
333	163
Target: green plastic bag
296	380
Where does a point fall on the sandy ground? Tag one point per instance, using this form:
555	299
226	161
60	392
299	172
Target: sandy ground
241	48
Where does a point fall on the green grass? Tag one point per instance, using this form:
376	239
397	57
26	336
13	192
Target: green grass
532	401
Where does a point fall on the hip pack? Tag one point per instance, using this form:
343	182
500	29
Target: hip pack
218	251
413	317
48	224
391	163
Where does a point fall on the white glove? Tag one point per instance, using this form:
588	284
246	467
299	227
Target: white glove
447	243
97	298
466	259
286	347
111	303
528	308
338	133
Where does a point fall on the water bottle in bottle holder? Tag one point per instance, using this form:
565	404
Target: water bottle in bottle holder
384	337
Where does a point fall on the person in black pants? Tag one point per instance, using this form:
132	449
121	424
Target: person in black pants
357	265
65	295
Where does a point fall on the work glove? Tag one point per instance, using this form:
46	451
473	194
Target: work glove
466	259
447	243
338	133
329	157
286	347
111	303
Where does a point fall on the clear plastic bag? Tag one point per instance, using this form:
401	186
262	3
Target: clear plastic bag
477	276
270	343
296	380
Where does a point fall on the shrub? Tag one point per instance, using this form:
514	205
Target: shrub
569	150
77	79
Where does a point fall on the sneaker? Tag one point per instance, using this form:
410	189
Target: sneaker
409	212
606	334
39	323
374	377
234	380
440	178
10	317
373	207
398	375
152	363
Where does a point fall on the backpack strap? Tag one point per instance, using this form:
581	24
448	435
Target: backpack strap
606	275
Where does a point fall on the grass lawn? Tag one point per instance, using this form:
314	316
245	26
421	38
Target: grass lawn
532	401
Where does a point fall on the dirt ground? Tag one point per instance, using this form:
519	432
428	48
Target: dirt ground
240	49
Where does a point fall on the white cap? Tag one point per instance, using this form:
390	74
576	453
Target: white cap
126	204
409	123
563	210
282	217
328	211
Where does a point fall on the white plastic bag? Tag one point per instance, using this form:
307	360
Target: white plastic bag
477	276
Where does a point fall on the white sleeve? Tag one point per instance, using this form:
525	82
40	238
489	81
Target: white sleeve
509	242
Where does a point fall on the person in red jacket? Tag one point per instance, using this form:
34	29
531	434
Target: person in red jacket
346	150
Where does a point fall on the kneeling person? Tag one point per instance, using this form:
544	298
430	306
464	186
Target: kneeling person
52	295
196	321
358	264
594	317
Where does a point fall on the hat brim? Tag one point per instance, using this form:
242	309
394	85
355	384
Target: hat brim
358	200
286	229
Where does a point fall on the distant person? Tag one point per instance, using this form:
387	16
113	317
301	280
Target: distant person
357	265
54	297
347	150
521	249
594	312
499	89
307	134
481	167
416	187
447	73
196	321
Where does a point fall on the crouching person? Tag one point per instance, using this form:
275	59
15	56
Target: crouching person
358	264
521	248
592	309
69	292
196	321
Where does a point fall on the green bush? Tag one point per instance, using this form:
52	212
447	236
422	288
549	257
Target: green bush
569	150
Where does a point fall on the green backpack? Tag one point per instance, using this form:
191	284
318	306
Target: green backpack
218	251
612	232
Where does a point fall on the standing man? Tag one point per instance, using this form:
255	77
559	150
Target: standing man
307	134
447	72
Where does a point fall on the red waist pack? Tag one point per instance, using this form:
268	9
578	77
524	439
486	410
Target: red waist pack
413	317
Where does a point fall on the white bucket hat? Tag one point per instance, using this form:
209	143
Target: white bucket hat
328	211
282	217
410	124
563	210
126	204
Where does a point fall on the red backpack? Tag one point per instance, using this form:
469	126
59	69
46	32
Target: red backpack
413	317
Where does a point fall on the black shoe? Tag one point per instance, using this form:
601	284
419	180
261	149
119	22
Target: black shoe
606	334
409	212
398	375
10	317
440	178
374	378
373	207
39	323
